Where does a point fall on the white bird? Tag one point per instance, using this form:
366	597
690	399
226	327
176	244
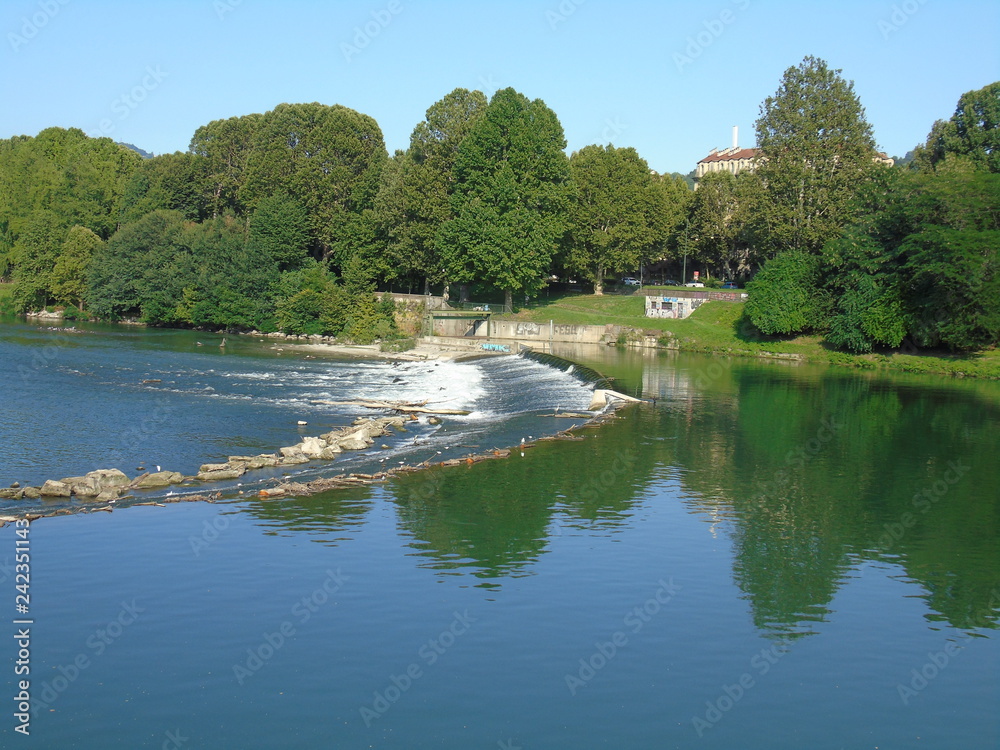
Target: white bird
157	467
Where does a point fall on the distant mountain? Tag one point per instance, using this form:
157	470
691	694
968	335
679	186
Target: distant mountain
143	154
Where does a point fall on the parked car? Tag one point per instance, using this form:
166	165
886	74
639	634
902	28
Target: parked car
630	281
694	284
671	282
730	285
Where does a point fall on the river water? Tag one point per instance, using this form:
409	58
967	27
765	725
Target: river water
762	555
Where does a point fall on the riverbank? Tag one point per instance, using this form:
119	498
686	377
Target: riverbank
718	328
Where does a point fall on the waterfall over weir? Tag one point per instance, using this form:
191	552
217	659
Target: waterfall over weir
581	372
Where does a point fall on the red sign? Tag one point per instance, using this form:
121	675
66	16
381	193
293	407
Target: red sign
695	275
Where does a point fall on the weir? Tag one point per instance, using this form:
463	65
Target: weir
581	372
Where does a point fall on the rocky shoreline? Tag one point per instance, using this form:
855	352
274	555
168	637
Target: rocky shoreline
105	487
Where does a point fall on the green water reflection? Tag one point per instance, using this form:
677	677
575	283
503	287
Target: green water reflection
811	472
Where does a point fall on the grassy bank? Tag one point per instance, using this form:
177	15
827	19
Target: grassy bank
718	328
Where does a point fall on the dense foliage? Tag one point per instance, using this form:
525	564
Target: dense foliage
873	256
292	219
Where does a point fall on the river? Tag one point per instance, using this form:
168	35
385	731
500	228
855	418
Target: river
762	555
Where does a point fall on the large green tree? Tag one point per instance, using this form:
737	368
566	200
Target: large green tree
720	220
69	275
621	217
417	188
169	182
34	255
972	133
511	197
814	149
329	159
225	145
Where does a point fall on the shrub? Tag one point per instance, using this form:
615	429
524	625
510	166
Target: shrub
785	297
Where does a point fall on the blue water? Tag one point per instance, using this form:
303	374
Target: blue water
712	605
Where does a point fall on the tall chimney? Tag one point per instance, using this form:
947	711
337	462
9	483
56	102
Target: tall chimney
736	132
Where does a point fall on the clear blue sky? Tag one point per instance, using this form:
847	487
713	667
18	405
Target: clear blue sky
612	71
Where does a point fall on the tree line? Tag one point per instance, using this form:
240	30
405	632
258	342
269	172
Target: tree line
291	219
840	245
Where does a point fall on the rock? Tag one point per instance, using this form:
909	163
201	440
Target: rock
295	458
276	492
354	443
52	488
31	493
12	494
384	447
105	478
330	452
214	467
15	485
265	459
82	486
158	479
433	420
312	447
221	474
108	495
291	450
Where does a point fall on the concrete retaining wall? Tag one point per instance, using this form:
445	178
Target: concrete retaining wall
531	334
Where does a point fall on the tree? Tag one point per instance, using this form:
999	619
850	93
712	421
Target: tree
511	197
814	148
785	297
621	213
34	254
169	182
950	259
279	232
69	276
329	159
415	200
720	217
225	145
972	133
142	270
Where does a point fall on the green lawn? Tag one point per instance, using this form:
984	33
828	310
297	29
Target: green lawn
717	327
